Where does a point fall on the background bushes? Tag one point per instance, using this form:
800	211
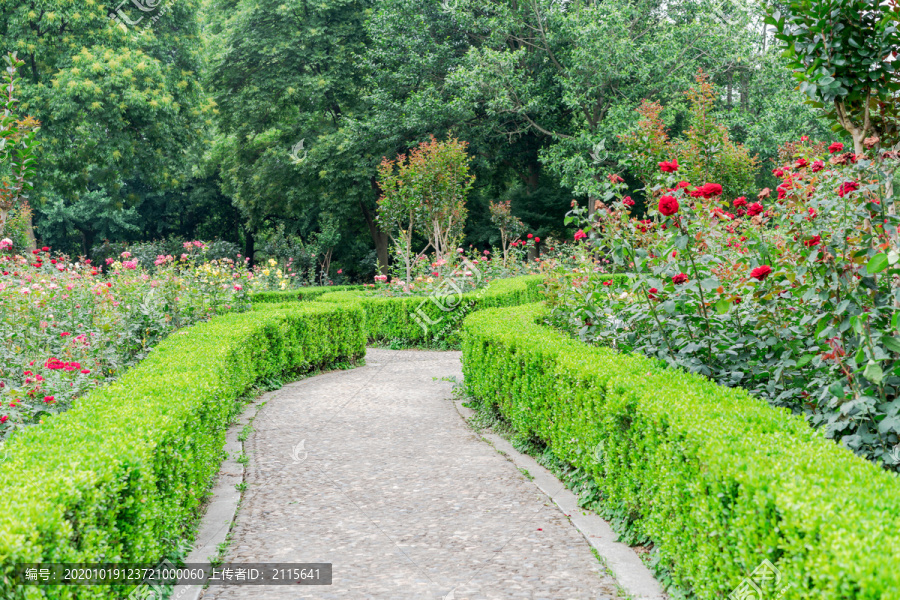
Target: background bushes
123	473
716	478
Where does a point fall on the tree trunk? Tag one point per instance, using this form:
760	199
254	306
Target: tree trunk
29	233
249	246
380	238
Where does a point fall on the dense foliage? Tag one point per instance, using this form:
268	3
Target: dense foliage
793	296
255	121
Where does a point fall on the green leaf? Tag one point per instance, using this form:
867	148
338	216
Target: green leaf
891	343
722	306
805	359
873	372
877	263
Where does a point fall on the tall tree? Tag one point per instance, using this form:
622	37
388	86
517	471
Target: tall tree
287	78
117	92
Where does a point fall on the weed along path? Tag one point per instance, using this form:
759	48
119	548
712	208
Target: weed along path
373	470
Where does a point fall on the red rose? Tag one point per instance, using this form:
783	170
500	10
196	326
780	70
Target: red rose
835	147
817	166
778	172
804	138
537	240
739	202
669	166
847	187
802	162
580	235
668	205
682	184
627	201
679	279
761	273
614	178
652	293
813	241
755	209
607	283
45	249
530	235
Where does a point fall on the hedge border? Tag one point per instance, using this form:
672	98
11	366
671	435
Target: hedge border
400	318
122	472
718	479
301	294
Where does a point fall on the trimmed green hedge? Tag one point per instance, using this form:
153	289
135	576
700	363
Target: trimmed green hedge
304	293
125	470
395	318
717	479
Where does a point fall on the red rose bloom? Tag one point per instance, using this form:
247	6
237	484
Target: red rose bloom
668	205
778	172
652	293
847	187
530	235
679	279
707	190
682	185
755	209
615	178
813	241
835	147
817	166
607	283
627	201
801	162
579	235
45	249
739	202
669	166
761	273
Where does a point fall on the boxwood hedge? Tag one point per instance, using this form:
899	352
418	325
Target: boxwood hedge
304	293
400	318
716	478
125	470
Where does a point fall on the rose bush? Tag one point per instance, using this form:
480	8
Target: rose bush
66	326
795	297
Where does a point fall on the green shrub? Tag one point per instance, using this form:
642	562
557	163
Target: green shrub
125	470
718	479
304	293
401	318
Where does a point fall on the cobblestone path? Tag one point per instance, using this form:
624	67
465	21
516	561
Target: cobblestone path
393	488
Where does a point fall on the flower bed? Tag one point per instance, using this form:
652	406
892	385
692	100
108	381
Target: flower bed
124	471
66	327
436	319
717	479
793	294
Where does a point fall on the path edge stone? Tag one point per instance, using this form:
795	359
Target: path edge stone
625	565
221	512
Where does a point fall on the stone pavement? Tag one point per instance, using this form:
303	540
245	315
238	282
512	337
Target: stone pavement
373	470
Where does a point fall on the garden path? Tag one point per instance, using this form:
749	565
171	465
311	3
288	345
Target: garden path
392	487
